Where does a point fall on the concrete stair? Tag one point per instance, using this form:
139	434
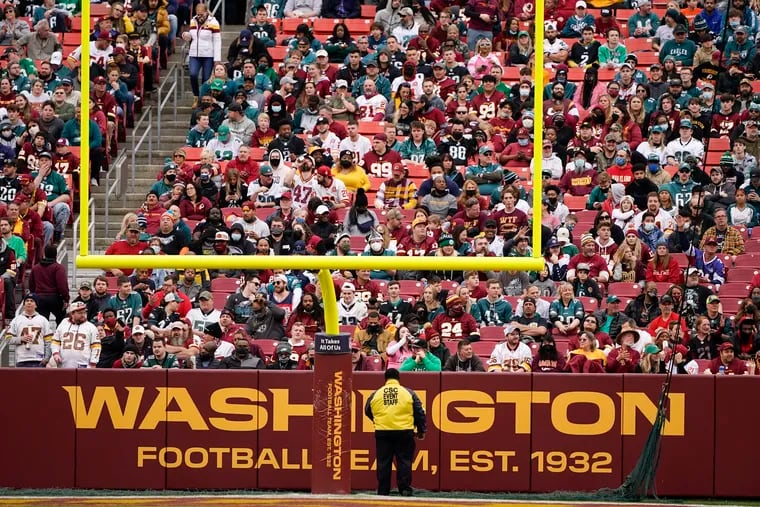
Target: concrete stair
173	133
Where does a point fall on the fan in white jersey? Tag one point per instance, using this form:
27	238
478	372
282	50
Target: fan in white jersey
76	343
31	333
100	52
511	354
264	191
356	143
350	310
205	315
282	173
677	150
224	146
326	138
371	105
304	182
331	190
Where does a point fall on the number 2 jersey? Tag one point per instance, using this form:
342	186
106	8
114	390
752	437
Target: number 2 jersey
78	344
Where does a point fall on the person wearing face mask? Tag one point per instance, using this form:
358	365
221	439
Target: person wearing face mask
455	323
239	240
163	187
645	308
557	104
241	359
375	338
581	178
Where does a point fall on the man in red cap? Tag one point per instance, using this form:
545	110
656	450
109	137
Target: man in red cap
331	190
727	361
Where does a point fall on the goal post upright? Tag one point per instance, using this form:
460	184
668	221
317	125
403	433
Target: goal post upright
320	264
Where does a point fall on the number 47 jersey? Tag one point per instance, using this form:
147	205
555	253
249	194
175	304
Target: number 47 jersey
78	344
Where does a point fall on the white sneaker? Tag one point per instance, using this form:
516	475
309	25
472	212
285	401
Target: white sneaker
94	182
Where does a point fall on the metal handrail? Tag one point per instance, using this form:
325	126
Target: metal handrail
90	232
116	188
171	78
216	8
147	120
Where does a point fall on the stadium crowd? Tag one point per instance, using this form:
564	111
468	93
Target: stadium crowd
411	133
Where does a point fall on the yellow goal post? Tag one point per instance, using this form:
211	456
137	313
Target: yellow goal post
321	264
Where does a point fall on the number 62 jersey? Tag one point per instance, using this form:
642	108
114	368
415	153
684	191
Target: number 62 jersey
78	344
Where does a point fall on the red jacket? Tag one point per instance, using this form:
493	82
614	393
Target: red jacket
614	366
670	274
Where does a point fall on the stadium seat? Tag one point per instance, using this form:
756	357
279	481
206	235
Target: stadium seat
228	285
289	25
624	289
410	288
347	329
736	289
720	144
575	202
323	27
368	11
357	243
729	306
278	53
449	285
483	349
590	305
747	260
492	334
741	275
358	26
452	346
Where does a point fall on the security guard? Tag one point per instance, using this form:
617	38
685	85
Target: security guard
396	412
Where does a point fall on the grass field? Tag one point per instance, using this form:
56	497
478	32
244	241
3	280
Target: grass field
189	499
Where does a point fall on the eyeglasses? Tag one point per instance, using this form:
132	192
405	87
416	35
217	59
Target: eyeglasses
581	340
279	283
355	350
461	112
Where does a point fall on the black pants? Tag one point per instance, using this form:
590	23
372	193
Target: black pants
399	444
51	304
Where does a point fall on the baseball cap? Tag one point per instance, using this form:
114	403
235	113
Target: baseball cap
583	267
287	80
77	306
381	137
85	285
685	124
406	11
236	108
612	299
45	154
265	170
485	149
138	329
223	133
563	235
666	299
217	84
206	294
322	121
580	3
606	13
711	240
221	236
713	299
99	80
726	346
321	52
523	133
419	221
341	83
680	29
347	286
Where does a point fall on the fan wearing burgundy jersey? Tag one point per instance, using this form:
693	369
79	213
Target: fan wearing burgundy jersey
456	323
